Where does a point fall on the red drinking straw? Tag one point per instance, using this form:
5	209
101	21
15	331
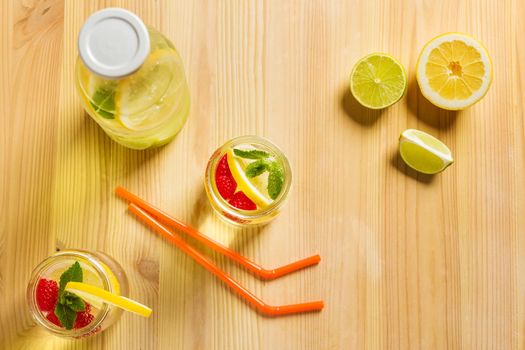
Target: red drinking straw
253	267
257	303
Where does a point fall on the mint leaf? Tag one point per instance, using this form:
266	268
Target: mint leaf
256	168
73	274
262	164
74	302
66	315
69	304
251	154
275	180
104	101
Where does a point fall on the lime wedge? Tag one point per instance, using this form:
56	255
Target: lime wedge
378	81
424	152
98	296
244	183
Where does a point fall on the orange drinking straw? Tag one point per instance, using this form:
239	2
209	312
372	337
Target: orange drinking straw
247	263
210	266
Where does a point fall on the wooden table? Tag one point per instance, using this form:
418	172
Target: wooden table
408	261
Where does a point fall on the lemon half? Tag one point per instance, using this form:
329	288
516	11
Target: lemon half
454	71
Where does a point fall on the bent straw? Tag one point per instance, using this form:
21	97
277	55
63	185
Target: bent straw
210	266
247	263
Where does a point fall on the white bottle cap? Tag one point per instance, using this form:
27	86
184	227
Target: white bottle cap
113	43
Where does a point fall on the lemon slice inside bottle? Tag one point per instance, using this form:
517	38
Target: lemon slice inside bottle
245	184
140	94
98	296
424	152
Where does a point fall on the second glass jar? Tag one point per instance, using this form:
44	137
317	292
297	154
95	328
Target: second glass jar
98	269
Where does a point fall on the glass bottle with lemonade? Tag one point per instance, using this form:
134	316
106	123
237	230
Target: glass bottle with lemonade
131	79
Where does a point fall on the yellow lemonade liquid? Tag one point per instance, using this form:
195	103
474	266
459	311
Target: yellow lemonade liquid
256	187
144	109
99	270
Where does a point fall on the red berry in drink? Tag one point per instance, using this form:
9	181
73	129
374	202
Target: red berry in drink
51	317
224	180
46	294
83	319
241	201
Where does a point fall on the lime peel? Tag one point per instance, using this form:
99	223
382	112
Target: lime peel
429	156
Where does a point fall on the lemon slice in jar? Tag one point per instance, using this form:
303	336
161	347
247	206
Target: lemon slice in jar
98	296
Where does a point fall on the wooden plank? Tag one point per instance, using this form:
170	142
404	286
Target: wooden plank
409	261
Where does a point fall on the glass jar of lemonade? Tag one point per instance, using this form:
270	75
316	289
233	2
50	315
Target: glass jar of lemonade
131	79
247	180
45	292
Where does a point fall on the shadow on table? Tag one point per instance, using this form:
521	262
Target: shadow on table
202	213
425	111
362	115
397	162
34	336
201	209
245	237
90	143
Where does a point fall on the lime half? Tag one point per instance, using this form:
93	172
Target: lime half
424	152
378	81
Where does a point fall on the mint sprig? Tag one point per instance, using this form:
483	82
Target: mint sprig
263	163
65	315
74	302
73	274
275	180
256	168
251	154
68	304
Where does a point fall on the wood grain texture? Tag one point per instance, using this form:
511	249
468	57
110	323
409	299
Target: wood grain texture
409	261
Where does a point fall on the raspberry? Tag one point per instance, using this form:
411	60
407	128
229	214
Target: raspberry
46	294
223	169
88	307
241	201
224	180
83	319
51	317
226	186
